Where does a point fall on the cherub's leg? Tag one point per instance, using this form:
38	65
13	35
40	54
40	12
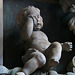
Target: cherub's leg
37	61
53	55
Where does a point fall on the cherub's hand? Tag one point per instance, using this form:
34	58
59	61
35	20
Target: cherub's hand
38	22
67	46
72	24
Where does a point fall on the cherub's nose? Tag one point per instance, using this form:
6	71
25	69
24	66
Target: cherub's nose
38	20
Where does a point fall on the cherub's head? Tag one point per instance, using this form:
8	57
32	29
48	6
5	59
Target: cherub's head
32	12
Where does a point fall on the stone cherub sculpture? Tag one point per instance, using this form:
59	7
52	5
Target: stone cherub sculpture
71	22
71	5
40	52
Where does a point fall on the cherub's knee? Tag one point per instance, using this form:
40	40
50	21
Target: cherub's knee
56	45
40	58
54	54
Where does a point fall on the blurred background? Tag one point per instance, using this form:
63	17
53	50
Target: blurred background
55	27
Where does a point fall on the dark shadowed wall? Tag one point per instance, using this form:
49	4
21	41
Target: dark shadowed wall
55	27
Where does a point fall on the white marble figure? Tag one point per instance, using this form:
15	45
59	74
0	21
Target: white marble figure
71	22
71	5
40	52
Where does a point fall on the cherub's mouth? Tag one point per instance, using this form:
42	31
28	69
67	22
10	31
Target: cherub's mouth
37	27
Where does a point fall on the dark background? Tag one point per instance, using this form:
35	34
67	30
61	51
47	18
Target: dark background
55	27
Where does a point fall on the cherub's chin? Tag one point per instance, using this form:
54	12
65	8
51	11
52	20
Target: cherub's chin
36	29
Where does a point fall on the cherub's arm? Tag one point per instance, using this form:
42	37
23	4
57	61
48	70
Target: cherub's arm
27	29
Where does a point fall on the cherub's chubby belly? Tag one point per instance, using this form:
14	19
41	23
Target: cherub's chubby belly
39	41
40	45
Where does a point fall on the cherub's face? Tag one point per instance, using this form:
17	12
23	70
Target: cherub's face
37	19
38	22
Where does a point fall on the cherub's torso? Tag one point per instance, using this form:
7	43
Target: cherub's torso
39	41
